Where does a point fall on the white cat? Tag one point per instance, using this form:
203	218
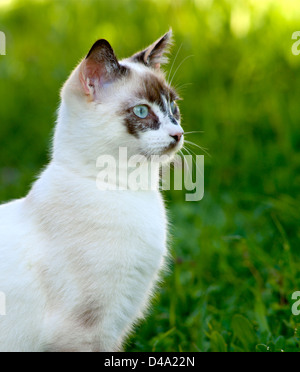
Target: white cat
78	264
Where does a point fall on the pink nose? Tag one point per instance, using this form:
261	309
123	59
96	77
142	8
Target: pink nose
177	136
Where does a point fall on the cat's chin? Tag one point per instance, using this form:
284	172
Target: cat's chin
169	150
172	149
163	156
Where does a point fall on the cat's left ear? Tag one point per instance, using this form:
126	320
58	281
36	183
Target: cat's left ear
100	68
155	55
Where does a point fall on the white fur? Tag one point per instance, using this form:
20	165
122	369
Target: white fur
78	265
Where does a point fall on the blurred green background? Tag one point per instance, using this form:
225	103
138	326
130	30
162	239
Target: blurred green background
236	253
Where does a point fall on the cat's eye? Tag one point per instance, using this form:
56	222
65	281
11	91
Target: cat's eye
141	111
173	107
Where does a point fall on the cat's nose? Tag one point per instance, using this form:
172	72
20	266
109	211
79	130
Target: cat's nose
177	136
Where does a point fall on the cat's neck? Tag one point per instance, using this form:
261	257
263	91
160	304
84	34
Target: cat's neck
135	173
112	167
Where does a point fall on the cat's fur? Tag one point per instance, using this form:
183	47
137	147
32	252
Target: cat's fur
77	264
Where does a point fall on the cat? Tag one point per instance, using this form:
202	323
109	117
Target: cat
78	264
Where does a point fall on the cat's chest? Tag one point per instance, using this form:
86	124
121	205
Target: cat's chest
102	256
133	226
116	230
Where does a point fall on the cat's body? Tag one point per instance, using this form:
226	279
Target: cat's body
78	264
73	294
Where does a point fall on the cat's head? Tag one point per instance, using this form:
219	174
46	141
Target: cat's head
107	104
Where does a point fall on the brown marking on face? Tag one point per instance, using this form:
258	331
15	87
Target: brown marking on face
135	125
152	89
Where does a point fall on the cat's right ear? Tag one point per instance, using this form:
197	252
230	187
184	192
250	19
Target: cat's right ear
155	55
99	69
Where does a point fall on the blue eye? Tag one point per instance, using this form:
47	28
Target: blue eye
173	107
141	111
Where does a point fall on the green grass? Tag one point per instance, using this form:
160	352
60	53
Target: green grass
236	253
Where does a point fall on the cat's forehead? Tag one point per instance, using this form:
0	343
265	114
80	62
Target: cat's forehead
155	89
150	85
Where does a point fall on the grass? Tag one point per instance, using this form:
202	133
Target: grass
236	253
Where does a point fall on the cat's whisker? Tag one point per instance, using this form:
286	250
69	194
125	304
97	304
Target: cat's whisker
180	66
169	74
185	161
181	87
194	161
195	144
187	150
200	147
190	152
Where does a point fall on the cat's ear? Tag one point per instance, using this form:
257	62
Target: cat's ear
155	54
99	68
